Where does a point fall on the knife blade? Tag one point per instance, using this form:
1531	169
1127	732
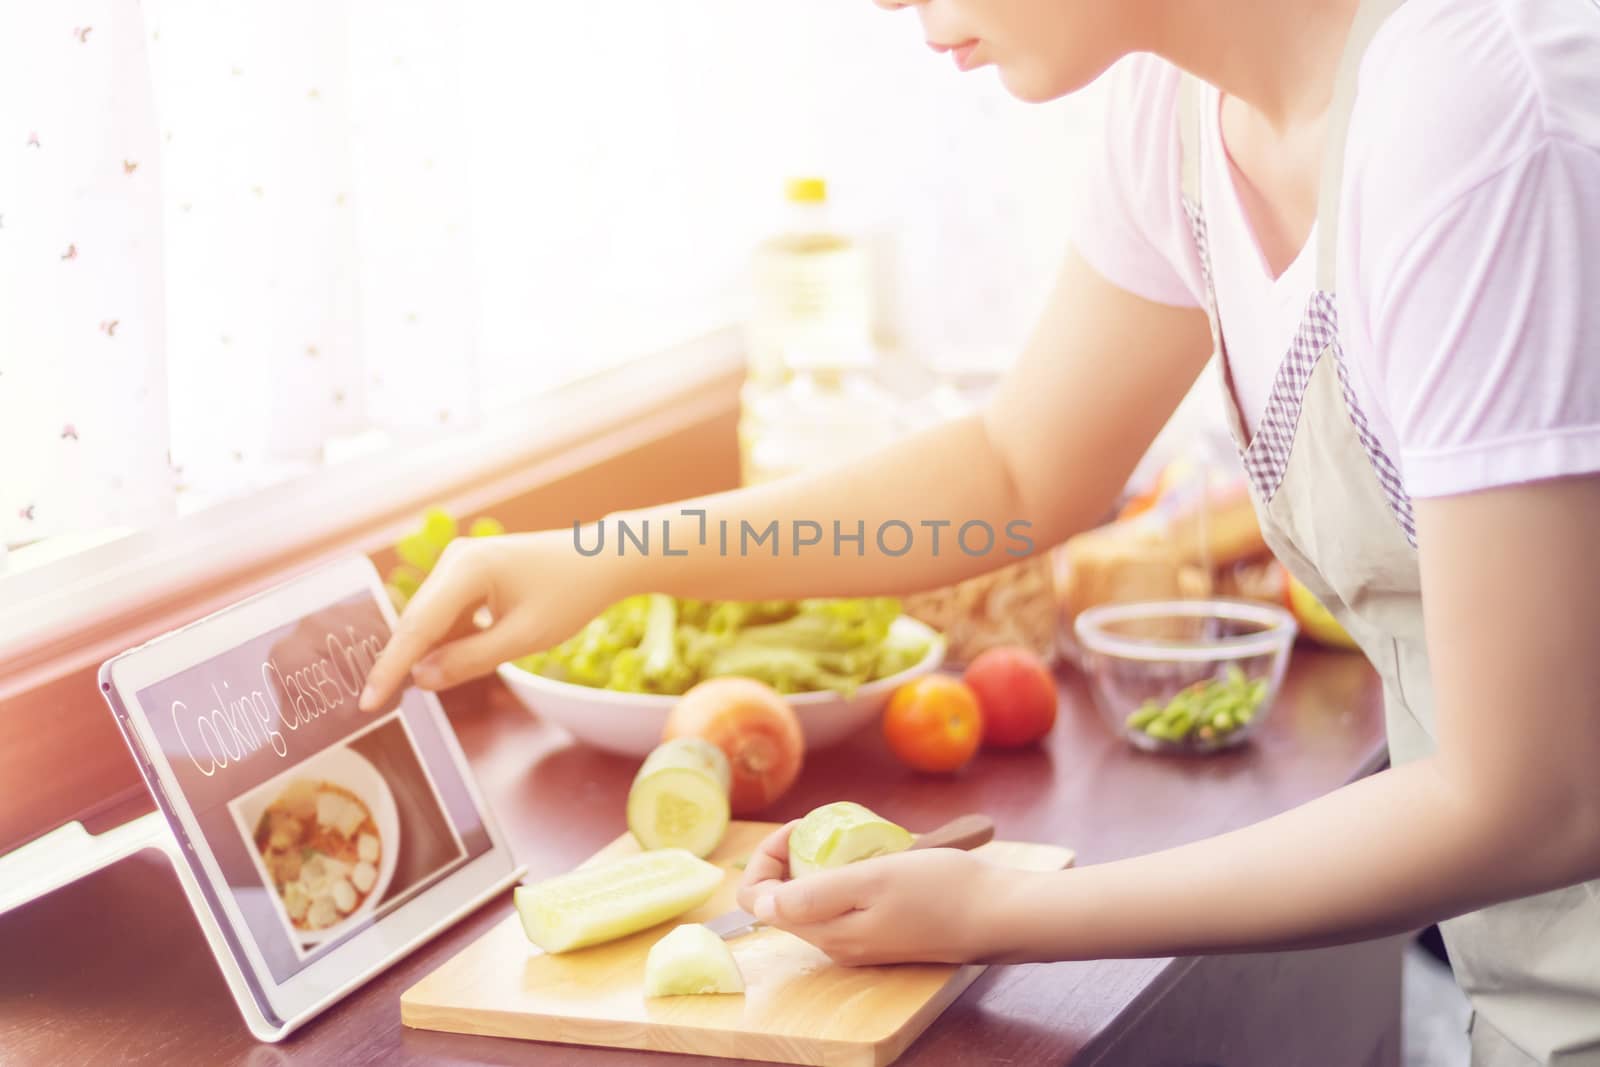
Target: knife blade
963	832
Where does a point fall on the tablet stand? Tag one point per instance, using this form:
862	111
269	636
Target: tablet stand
70	852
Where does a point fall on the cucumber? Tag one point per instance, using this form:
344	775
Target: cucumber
679	798
689	961
614	899
840	833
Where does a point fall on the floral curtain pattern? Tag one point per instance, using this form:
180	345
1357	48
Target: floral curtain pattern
81	296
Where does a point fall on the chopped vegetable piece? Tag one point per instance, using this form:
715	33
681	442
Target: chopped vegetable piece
689	961
614	899
840	833
679	798
1211	712
755	728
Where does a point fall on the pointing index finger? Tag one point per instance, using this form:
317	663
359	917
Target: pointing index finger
424	623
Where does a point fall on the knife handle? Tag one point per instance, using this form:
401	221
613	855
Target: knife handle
964	832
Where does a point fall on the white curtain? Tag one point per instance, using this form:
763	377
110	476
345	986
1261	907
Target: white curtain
315	204
235	237
231	233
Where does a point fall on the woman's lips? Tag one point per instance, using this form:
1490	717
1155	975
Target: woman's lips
962	53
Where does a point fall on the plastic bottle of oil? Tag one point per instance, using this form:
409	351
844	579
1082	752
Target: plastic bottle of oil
812	307
830	409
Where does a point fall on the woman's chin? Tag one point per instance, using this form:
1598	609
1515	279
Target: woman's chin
1033	85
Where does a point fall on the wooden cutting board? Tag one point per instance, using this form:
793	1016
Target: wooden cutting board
798	1007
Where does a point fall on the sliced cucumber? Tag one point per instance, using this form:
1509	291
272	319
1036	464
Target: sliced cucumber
614	899
840	833
679	798
689	961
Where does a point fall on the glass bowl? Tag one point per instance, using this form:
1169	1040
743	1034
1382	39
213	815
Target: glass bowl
1185	675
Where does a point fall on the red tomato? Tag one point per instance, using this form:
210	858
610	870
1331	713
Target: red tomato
1016	694
933	724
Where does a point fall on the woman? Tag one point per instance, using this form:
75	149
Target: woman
1385	218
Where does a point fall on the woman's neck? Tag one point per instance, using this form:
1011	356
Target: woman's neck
1277	56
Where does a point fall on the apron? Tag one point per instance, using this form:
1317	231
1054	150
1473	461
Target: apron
1334	511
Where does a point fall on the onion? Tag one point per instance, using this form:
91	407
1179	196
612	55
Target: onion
755	728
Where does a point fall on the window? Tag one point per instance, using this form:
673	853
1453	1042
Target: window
241	243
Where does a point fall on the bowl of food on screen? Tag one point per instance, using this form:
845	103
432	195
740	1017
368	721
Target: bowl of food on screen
328	839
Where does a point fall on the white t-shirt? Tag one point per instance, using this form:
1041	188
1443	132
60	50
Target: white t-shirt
1468	286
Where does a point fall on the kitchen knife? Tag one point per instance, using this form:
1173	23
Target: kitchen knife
963	832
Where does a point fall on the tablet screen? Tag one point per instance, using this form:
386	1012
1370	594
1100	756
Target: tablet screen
322	818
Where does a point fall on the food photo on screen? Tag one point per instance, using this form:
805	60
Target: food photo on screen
348	834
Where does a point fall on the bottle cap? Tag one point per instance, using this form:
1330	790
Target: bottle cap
807	190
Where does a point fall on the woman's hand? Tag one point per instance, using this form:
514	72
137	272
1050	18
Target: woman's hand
936	905
538	590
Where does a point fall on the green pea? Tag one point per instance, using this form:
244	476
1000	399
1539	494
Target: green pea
1179	725
1223	721
1144	716
1157	730
1176	707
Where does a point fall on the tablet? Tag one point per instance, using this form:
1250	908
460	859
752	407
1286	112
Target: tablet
324	842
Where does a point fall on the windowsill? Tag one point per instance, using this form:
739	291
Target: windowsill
56	548
653	431
337	453
366	497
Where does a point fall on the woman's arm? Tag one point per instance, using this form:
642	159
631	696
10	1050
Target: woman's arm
1508	806
1100	376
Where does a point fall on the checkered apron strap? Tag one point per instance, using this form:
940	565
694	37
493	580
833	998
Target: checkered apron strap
1189	90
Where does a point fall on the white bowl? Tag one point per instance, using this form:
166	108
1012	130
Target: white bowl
630	723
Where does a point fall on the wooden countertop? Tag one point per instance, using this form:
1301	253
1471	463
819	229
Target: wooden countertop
113	969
